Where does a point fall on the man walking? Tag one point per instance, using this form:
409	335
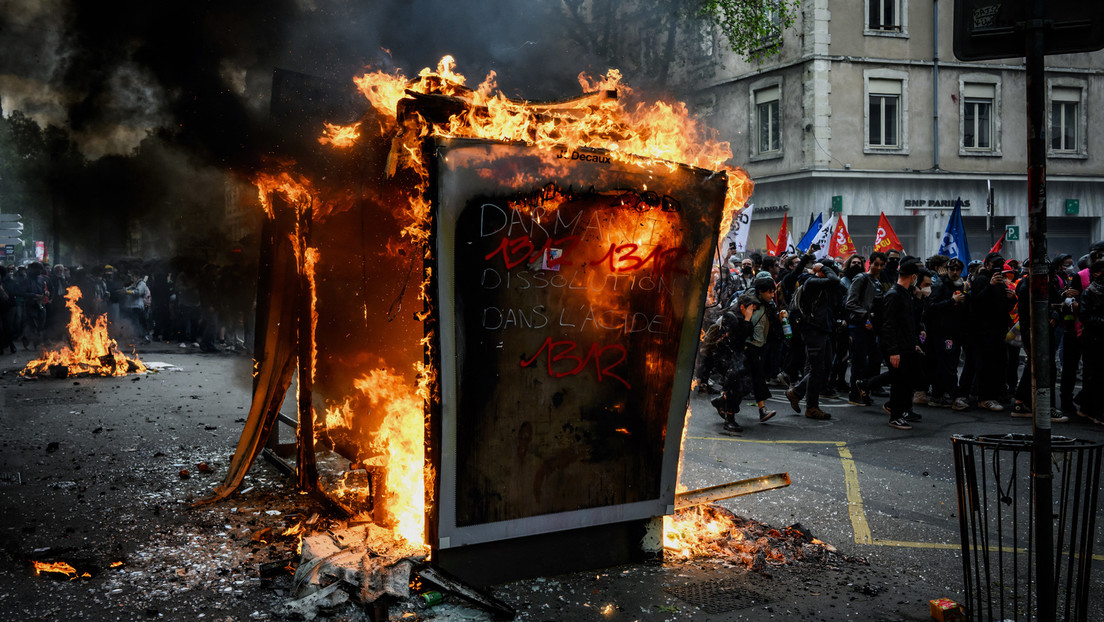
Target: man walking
819	301
863	307
898	338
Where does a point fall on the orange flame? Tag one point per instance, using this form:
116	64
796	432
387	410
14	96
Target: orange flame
401	441
340	135
90	351
57	567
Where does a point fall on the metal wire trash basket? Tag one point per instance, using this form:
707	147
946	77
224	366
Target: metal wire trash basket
996	514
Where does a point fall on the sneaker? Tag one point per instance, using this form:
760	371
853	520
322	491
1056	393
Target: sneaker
913	417
991	405
1058	418
920	398
855	399
795	401
886	410
960	403
765	414
939	402
784	378
813	412
900	424
1021	409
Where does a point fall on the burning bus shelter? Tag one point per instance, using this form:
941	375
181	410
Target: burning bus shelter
492	309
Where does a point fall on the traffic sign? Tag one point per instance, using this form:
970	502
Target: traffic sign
7	217
837	204
989	29
11	242
1073	207
8	231
1012	233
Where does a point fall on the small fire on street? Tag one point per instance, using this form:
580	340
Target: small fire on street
90	352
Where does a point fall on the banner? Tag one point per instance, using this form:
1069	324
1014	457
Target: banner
823	238
807	239
772	247
954	243
782	246
40	250
886	238
741	226
841	245
999	246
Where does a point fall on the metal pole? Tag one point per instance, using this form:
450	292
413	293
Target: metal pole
306	467
1040	328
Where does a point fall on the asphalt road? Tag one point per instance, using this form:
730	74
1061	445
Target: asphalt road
91	474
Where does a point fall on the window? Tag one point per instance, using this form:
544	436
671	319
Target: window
1064	116
884	15
769	134
977	117
883	113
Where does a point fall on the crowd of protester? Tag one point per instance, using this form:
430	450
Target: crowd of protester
200	305
903	329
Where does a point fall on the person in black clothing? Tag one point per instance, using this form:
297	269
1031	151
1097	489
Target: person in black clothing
863	306
899	341
990	303
1092	336
820	300
1022	407
735	328
944	320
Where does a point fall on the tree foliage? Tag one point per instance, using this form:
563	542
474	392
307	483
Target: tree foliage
753	27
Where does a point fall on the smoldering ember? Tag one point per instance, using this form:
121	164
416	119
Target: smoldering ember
293	328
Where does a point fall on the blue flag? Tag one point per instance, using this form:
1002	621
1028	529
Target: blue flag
810	235
954	240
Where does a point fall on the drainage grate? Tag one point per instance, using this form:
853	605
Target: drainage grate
717	596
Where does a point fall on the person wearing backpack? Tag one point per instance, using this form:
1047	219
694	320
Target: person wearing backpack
818	303
734	328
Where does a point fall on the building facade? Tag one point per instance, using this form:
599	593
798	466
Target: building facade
866	102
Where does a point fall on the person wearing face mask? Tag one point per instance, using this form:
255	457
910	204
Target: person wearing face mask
1022	407
898	338
864	314
922	294
889	272
1091	404
943	320
990	302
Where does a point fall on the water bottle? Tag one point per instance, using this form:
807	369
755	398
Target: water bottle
787	330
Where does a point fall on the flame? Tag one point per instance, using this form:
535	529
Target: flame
58	567
609	117
341	136
90	350
294	530
401	443
116	564
695	533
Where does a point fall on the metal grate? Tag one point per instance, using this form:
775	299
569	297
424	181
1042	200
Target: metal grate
717	595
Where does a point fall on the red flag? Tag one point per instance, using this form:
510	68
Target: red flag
999	246
886	238
841	244
783	238
771	246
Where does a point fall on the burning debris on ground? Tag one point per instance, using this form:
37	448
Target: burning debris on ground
90	350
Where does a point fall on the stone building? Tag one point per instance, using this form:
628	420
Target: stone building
867	102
